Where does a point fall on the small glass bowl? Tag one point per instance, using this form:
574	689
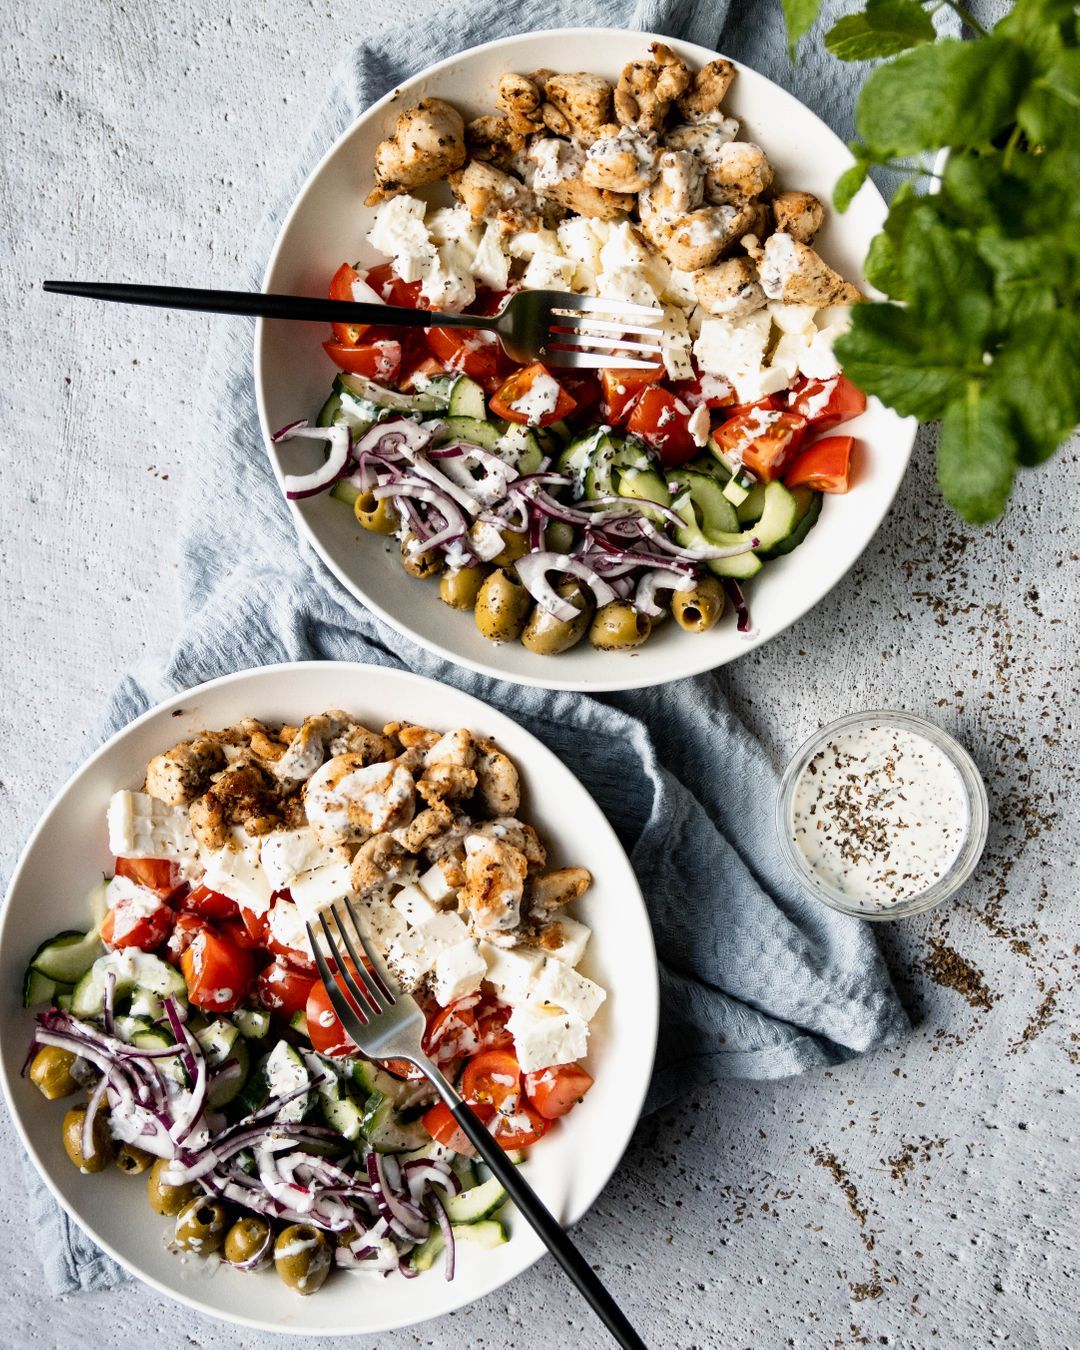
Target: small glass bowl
978	815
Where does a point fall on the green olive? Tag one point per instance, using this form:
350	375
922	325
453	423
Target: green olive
248	1242
50	1072
618	626
165	1198
302	1257
374	514
422	565
132	1159
699	609
100	1154
546	635
201	1225
502	606
459	589
559	536
515	546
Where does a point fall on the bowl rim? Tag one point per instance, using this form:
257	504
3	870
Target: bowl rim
614	683
650	990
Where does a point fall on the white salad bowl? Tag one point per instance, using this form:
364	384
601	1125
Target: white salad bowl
66	856
328	224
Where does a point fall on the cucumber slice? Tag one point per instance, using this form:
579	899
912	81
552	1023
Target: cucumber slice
344	491
809	508
217	1039
66	957
574	460
778	518
358	387
133	970
644	485
479	1202
156	1038
228	1089
472	430
252	1023
369	1078
328	413
62	1001
340	1109
553	437
519	446
385	1132
614	457
750	508
713	513
487	1234
38	988
286	1071
298	1022
467	399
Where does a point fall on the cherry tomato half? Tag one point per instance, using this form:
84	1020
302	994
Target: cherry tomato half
493	1077
763	439
156	874
129	924
825	465
282	989
621	389
827	403
533	385
663	421
218	972
469	353
380	360
341	288
554	1091
444	1129
212	905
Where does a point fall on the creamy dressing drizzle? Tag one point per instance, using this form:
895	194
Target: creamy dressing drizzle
880	814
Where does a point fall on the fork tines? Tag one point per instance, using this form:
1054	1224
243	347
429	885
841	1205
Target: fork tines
590	332
368	985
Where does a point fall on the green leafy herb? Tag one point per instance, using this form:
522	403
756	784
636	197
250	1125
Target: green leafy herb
799	16
980	327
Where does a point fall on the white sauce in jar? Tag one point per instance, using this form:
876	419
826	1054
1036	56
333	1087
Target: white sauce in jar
880	814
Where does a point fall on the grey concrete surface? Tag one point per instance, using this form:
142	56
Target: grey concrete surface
925	1197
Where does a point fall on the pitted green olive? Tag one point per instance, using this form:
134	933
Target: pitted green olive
502	607
302	1257
132	1159
459	589
101	1152
165	1198
546	635
515	546
373	514
201	1225
699	609
249	1242
422	565
50	1072
618	626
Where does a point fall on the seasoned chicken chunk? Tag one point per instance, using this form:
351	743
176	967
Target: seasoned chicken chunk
183	773
577	196
521	100
556	890
647	89
447	782
705	139
707	90
730	289
428	143
498	788
792	272
425	827
494	883
490	194
622	159
348	799
698	238
552	160
244	795
408	735
577	104
799	214
307	747
453	747
518	835
379	862
679	187
493	139
739	171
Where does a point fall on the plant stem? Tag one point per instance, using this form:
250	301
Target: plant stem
965	16
1010	146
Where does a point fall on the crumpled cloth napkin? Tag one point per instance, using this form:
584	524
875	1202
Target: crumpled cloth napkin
757	979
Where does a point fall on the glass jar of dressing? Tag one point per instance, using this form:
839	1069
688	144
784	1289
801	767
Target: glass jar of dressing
882	815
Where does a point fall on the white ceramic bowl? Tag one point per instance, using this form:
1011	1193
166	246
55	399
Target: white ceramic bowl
68	853
328	224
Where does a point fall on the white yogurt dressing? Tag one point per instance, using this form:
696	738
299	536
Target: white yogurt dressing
880	814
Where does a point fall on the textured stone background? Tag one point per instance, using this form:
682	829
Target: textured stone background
919	1198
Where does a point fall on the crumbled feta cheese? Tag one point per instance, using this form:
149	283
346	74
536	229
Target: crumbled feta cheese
553	161
511	970
140	826
414	905
238	873
400	233
791	318
736	350
321	886
675	344
579	241
453	225
285	854
549	272
627	283
286	924
818	361
544	1036
562	986
447	282
379	922
624	247
490	265
572	937
700	425
680	289
435	885
458	971
527	244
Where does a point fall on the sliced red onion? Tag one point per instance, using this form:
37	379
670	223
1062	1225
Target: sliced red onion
110	996
423	1172
532	572
398	1212
447	1230
640	506
650	583
401	436
308	484
92	1107
694	554
737	597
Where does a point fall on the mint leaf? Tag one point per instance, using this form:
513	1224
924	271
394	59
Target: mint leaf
889	352
882	267
946	283
976	455
1050	110
848	184
799	16
949	93
883	29
1037	374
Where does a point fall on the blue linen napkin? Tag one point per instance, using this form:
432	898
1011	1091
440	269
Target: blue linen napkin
757	980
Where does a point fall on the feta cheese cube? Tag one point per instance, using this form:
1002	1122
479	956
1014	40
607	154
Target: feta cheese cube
627	283
399	230
408	957
680	289
287	853
237	872
675	344
453	225
549	272
140	826
562	986
544	1036
511	970
416	907
527	244
700	425
791	318
286	924
580	242
447	282
435	885
379	922
444	930
818	361
490	265
571	937
736	350
458	971
321	886
624	247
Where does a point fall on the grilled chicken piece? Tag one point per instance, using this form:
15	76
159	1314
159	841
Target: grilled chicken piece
799	214
576	104
489	194
554	891
705	139
707	90
494	883
379	861
739	171
730	289
498	787
428	143
792	272
493	139
244	795
183	773
647	89
521	100
348	800
622	159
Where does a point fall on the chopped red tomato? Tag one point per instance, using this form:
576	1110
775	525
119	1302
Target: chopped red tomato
491	1026
763	439
583	386
210	904
827	403
493	1077
711	390
255	926
524	1127
379	360
532	395
401	1068
141	921
424	370
405	294
663	421
237	931
218	972
452	1031
488	301
468	352
156	874
621	389
825	465
444	1129
299	960
283	989
185	930
325	1031
554	1091
341	288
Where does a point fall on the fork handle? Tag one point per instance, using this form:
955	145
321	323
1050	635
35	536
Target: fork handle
267	306
545	1223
